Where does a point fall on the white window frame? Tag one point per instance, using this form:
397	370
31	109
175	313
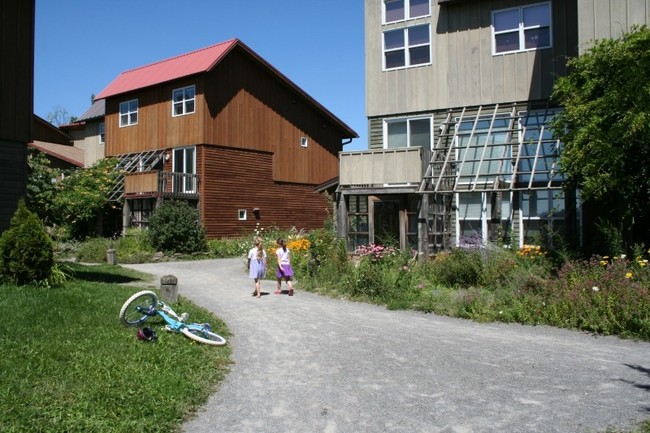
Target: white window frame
102	132
406	48
505	212
187	184
241	214
184	101
522	28
407	11
408	121
129	112
555	201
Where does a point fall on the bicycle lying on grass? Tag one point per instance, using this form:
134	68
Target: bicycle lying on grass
145	304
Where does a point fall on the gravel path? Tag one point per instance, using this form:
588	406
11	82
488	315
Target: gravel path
312	364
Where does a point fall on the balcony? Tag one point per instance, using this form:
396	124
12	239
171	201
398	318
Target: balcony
384	170
161	184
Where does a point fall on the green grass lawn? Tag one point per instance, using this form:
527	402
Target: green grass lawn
68	365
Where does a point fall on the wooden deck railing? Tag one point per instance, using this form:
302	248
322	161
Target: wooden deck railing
162	184
381	168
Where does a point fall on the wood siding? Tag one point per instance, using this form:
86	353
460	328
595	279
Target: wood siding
233	179
87	138
602	19
156	127
251	109
239	104
45	131
16	69
463	70
16	96
13	180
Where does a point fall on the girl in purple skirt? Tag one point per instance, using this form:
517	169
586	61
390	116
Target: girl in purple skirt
284	267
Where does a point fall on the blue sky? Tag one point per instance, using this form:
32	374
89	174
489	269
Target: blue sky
82	45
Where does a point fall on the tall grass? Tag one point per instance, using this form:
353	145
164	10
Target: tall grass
68	365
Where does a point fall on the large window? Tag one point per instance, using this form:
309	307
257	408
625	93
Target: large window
183	101
185	170
408	46
483	150
408	132
522	28
129	113
399	10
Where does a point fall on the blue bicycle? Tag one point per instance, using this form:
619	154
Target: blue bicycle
145	304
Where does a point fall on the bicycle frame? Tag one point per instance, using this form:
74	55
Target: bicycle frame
146	304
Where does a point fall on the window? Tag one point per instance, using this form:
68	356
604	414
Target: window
399	10
483	149
543	213
102	136
358	231
183	101
483	217
129	113
185	170
408	133
241	214
523	28
406	47
539	154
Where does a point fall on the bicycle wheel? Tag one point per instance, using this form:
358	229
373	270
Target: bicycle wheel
203	336
130	315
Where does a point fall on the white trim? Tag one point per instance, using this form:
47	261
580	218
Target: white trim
406	47
183	102
407	8
128	112
408	120
521	29
241	214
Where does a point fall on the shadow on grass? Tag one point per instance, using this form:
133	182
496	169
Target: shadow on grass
106	274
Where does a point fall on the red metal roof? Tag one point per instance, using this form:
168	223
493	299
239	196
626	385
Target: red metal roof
166	70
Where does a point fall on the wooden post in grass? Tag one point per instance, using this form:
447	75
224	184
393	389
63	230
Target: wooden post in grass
110	256
169	288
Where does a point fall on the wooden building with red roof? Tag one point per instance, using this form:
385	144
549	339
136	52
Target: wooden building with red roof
223	129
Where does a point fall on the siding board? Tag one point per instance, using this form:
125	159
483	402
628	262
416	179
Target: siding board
236	179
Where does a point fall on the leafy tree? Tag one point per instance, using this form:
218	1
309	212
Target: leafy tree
175	227
73	199
605	126
83	196
41	186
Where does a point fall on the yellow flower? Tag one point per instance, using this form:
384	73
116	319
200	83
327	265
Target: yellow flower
628	275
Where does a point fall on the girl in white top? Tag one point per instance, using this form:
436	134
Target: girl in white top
284	267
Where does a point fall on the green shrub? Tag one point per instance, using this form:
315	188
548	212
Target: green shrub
26	250
93	250
227	247
459	268
175	227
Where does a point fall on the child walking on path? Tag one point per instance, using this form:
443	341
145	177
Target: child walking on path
257	264
284	267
